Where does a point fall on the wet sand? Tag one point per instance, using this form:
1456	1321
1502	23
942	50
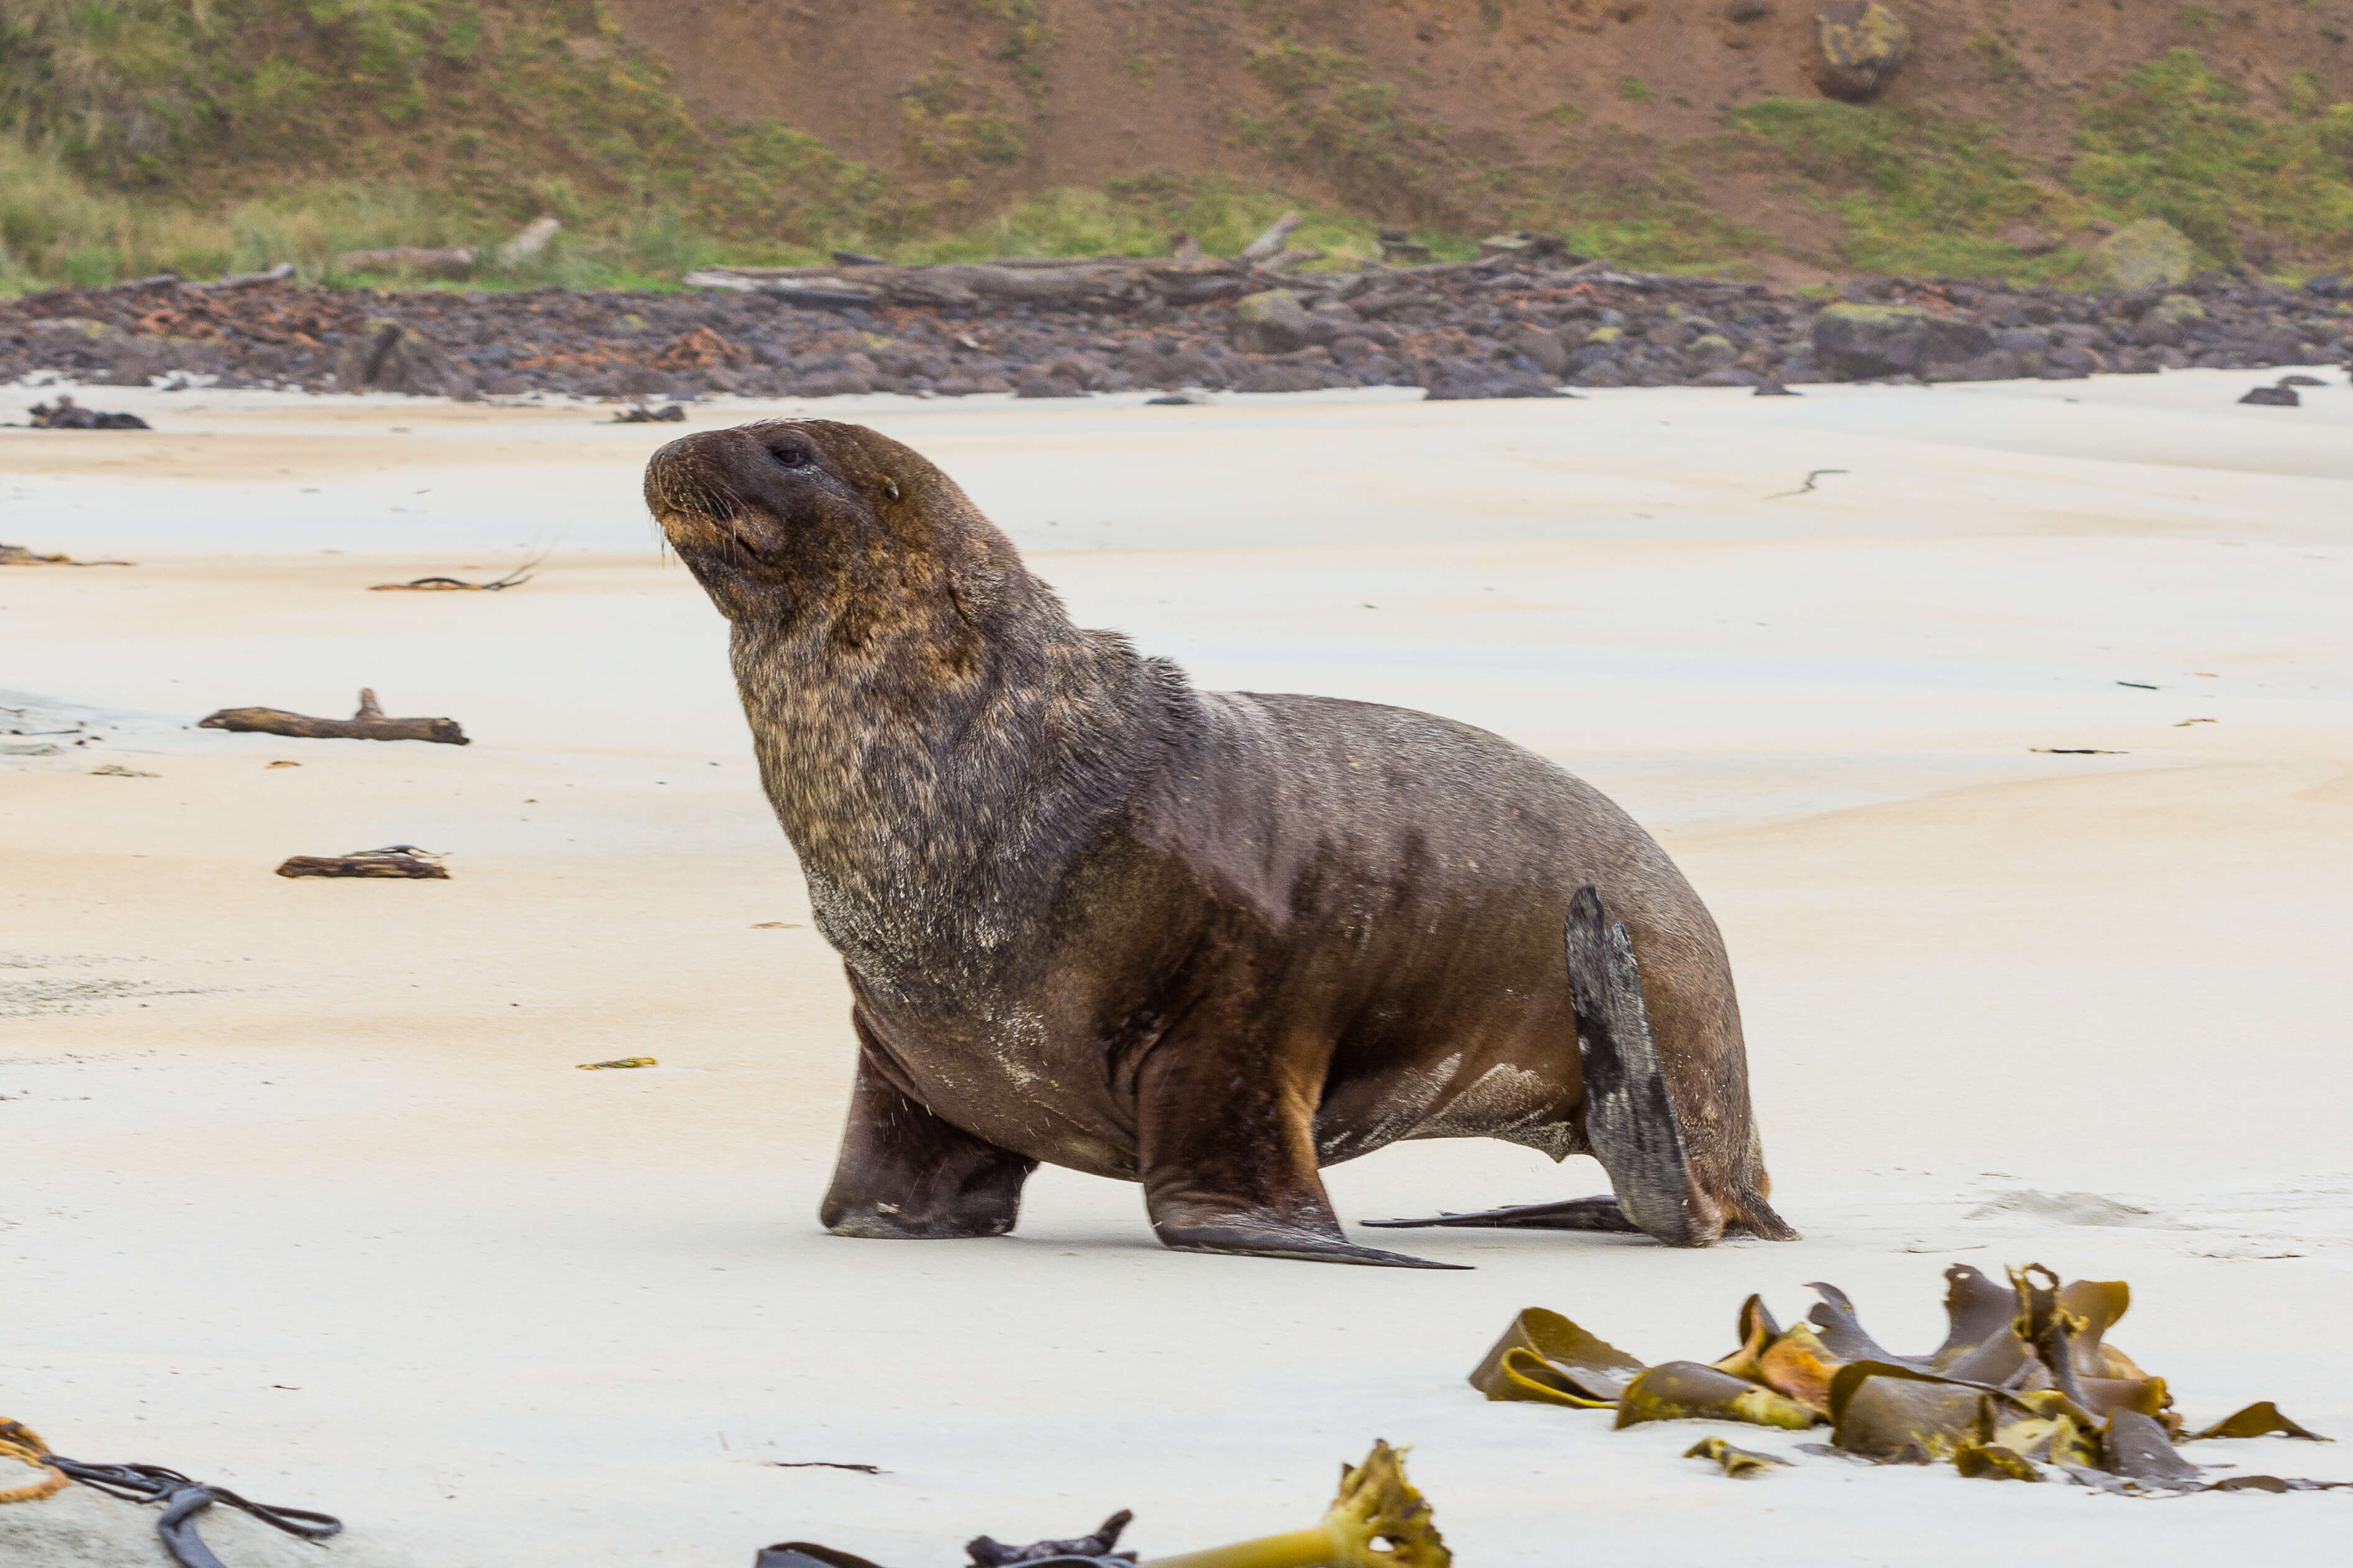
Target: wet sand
307	1196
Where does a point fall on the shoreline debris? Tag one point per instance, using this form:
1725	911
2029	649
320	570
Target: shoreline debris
1807	487
65	414
515	579
1375	1504
19	555
650	1062
183	1501
394	860
2022	1388
368	724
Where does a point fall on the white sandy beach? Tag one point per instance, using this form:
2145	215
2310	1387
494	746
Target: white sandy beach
337	1224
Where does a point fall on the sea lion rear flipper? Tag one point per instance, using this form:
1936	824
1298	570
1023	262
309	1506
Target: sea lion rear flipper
1572	1213
1629	1116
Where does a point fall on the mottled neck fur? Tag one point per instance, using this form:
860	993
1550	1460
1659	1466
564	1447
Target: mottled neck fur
940	746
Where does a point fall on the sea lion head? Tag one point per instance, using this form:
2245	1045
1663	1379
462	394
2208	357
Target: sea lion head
784	519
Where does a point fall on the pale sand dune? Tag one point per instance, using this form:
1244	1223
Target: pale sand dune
306	1197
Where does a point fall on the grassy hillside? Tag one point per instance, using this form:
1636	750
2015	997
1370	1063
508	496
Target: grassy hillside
212	135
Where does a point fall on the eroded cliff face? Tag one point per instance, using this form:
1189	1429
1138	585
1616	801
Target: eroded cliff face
1449	112
2011	136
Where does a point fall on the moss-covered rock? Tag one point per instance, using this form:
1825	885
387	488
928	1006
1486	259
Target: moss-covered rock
2167	323
1270	322
1854	343
1864	44
2150	254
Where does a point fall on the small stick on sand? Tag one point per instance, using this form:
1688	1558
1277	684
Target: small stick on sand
368	724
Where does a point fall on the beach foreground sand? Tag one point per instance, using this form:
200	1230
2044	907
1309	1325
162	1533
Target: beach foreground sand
337	1223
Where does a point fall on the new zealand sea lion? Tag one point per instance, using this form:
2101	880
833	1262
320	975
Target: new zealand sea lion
1205	941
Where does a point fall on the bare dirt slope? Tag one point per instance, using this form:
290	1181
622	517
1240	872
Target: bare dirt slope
1093	90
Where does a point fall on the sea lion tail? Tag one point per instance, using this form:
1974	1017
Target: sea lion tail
1632	1124
1629	1116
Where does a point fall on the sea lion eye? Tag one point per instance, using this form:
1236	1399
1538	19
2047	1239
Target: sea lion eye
791	455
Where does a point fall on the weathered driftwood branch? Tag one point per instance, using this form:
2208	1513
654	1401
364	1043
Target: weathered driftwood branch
368	724
394	860
1187	278
1270	243
277	274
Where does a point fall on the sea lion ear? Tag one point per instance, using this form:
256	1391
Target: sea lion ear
890	486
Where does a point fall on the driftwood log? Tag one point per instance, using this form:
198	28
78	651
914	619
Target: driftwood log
1187	278
453	261
394	860
368	724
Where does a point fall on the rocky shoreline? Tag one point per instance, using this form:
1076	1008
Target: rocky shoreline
1501	327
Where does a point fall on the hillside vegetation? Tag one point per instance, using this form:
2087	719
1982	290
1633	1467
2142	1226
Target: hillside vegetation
205	136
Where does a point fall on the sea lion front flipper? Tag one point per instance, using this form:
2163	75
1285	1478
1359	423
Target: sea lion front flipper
905	1175
1229	1161
1629	1116
1571	1214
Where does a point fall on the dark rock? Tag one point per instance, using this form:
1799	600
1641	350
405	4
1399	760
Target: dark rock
2273	397
1036	383
2301	380
1543	349
1855	343
1773	389
1278	375
386	356
1729	375
1462	380
1270	322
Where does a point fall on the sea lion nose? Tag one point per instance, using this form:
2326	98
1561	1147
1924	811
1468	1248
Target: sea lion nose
686	488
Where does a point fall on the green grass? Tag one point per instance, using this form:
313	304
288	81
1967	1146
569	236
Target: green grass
205	136
2175	138
1918	193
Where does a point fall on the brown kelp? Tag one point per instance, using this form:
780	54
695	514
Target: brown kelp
2024	1388
1377	1520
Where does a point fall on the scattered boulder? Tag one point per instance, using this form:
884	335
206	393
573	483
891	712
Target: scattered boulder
1864	44
386	356
1462	380
1270	322
1543	349
1857	343
2273	397
2167	323
2150	254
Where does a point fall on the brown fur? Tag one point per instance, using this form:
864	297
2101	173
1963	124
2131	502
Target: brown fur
1095	918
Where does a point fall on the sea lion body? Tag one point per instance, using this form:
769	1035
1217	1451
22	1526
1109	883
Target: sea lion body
1205	941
